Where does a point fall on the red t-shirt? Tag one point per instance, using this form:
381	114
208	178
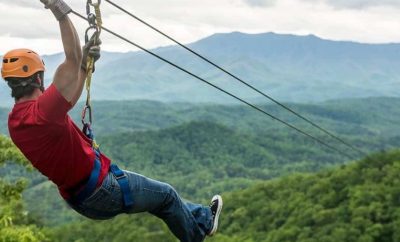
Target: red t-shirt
47	136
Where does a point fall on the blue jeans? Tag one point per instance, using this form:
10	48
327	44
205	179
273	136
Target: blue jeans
188	222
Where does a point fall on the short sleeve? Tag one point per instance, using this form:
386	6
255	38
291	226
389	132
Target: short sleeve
52	106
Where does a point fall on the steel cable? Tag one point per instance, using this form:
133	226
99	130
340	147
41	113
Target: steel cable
220	89
237	78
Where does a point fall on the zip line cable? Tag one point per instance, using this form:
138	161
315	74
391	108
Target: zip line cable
220	89
237	78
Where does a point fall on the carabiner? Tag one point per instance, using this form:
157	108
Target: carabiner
90	3
88	109
96	32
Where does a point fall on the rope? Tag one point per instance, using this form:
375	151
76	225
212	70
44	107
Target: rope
237	78
222	90
95	23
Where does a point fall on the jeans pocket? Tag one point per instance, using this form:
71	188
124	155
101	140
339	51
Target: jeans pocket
105	200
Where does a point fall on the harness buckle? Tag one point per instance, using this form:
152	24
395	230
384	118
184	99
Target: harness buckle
120	176
118	173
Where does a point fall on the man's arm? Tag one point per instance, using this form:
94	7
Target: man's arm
81	81
69	78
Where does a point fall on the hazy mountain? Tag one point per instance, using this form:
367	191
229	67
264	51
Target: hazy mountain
288	67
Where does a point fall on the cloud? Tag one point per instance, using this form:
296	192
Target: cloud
38	5
341	4
25	4
261	3
25	23
359	4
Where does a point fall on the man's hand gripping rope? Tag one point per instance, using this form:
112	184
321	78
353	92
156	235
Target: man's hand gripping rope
91	50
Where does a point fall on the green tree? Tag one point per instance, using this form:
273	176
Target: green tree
15	224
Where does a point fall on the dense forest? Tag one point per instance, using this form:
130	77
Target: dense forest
264	171
357	202
349	117
15	224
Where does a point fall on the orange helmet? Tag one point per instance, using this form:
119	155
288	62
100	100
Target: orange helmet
21	63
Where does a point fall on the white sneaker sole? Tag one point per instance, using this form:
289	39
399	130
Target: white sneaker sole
216	219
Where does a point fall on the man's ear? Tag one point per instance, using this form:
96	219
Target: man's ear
40	81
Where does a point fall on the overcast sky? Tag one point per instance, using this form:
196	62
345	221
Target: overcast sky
25	23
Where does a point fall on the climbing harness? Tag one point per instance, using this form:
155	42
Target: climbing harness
95	24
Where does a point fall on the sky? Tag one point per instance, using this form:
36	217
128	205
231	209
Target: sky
26	24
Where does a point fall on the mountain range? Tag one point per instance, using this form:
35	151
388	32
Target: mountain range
287	67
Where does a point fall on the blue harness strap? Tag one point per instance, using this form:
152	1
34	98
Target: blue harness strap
90	184
123	182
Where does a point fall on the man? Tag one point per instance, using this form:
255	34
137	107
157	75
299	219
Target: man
40	126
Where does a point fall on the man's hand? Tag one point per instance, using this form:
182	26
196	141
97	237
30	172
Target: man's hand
91	49
47	3
59	8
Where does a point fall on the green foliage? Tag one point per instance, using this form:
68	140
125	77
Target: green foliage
359	202
22	234
143	228
349	118
202	150
228	147
15	224
10	153
201	157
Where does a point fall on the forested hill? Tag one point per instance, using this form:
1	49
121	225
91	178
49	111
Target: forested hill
203	158
288	67
207	149
377	117
198	159
358	202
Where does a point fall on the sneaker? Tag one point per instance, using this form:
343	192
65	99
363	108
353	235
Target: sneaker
216	207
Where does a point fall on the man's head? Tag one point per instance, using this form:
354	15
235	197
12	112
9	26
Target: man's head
23	70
